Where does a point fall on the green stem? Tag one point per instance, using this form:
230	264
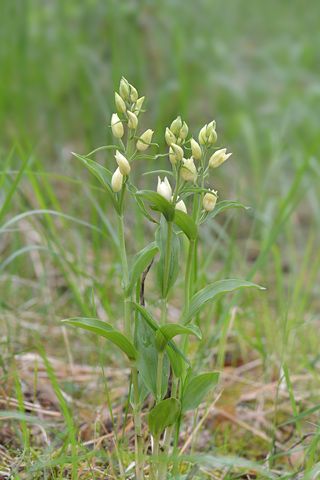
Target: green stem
159	375
166	275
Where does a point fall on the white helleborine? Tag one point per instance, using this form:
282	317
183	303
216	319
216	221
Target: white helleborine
124	89
133	93
178	152
116	181
181	206
116	126
132	121
120	103
138	105
209	201
218	157
164	189
196	149
169	137
147	137
184	131
203	135
176	125
123	163
188	171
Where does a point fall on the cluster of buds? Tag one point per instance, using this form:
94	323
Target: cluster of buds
208	135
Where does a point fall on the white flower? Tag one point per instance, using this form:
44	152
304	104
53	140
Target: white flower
181	206
203	135
218	157
132	120
209	201
123	163
116	180
120	104
147	137
116	126
169	137
196	149
188	171
164	189
138	105
178	152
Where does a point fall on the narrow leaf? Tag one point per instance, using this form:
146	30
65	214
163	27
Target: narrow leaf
214	291
163	415
161	240
170	330
197	389
105	330
160	203
220	207
133	190
139	264
186	224
300	415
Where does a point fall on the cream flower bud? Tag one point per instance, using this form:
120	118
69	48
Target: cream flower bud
203	135
133	120
164	189
184	131
212	137
120	104
176	126
138	105
169	137
116	126
178	152
209	201
181	206
123	163
133	94
218	157
196	149
147	137
172	156
124	89
116	180
188	171
210	128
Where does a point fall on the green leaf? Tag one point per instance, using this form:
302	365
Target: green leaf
170	330
161	240
220	207
102	174
139	264
214	291
147	363
186	224
160	203
133	190
172	350
105	330
300	415
197	389
164	414
143	391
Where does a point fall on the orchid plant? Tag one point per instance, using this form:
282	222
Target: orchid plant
178	208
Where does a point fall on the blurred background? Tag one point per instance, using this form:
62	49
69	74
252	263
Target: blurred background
254	67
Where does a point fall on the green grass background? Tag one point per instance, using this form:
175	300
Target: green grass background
254	67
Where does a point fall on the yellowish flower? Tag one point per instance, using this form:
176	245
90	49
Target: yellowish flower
147	137
116	126
188	171
218	157
209	201
116	181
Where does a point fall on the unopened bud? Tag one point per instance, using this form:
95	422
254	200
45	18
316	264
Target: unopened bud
133	120
116	181
176	126
169	137
147	137
178	152
123	163
196	149
218	157
133	94
209	201
120	103
184	131
116	126
124	89
203	136
188	171
181	206
164	189
212	137
138	105
210	128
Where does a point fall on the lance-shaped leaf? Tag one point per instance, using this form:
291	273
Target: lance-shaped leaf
164	414
102	174
186	224
160	203
170	330
133	190
161	240
139	264
214	291
105	330
174	353
197	389
220	207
